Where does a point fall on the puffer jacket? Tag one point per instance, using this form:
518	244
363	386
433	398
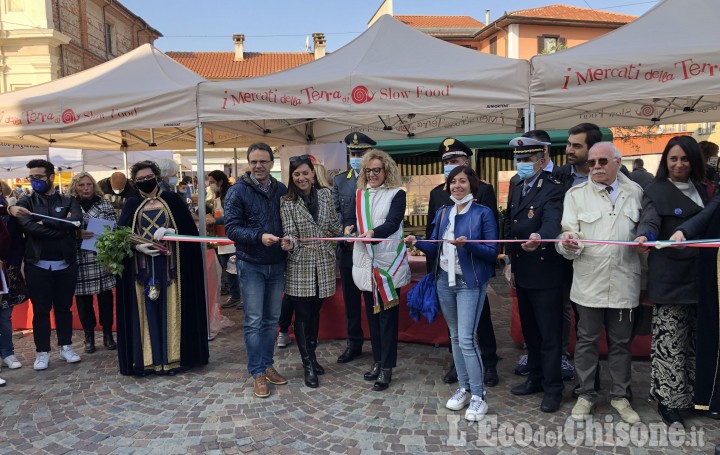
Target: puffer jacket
604	276
57	206
250	213
477	260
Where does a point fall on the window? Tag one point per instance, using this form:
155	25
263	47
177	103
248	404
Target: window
109	38
493	45
549	44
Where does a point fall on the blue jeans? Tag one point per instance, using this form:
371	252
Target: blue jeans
6	343
461	308
262	288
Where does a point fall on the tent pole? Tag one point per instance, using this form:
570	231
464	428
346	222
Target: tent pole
235	174
200	154
526	118
532	117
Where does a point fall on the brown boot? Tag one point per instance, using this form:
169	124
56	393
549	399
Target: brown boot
260	387
273	377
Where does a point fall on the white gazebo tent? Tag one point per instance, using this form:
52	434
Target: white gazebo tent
663	67
391	82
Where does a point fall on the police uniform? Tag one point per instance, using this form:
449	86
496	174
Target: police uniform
485	195
344	188
538	276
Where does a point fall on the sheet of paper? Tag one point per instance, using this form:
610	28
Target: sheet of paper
97	227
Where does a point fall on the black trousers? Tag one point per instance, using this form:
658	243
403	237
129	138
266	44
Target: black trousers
51	290
353	309
86	312
383	332
286	313
541	317
307	311
485	336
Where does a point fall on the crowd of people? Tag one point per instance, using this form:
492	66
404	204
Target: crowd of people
285	264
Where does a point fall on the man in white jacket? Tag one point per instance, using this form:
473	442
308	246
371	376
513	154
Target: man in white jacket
606	278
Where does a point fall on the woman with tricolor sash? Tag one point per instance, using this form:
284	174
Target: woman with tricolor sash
462	277
381	268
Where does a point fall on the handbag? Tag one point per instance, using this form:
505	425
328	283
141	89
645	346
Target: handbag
422	299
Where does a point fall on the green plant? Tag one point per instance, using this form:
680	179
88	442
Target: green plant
113	246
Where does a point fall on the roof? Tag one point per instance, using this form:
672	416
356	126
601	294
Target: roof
222	65
440	21
573	13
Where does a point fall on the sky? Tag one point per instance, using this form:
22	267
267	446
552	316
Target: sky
283	25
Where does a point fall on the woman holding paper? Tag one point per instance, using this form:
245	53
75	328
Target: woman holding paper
93	279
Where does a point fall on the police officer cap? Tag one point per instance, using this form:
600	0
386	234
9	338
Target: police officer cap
451	147
358	142
526	146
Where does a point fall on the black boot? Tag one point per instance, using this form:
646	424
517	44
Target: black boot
89	341
374	372
108	340
315	324
451	376
383	380
311	379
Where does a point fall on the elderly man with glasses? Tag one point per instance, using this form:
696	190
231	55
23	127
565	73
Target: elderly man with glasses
606	278
50	259
252	221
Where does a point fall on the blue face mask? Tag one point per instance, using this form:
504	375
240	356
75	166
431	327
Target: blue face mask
355	163
447	169
525	170
39	186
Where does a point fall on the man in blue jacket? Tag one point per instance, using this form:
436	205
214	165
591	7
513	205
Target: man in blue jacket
252	221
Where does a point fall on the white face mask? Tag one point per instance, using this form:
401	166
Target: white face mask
116	191
172	180
213	188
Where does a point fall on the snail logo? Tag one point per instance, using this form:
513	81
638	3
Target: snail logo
646	110
361	94
68	116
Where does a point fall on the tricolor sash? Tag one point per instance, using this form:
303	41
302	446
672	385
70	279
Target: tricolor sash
382	280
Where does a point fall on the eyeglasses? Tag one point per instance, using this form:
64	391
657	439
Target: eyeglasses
600	161
260	162
145	178
295	159
373	170
36	177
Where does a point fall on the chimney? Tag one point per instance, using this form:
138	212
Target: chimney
239	54
487	16
319	45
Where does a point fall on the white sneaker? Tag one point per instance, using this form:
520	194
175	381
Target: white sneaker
42	359
67	354
2	382
627	413
477	409
583	408
284	340
459	400
12	362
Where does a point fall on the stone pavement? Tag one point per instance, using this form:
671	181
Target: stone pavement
90	408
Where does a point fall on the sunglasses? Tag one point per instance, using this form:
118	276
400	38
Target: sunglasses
600	161
295	159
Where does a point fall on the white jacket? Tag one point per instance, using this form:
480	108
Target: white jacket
604	276
385	252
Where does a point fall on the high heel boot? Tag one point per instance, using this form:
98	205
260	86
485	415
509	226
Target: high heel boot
89	341
301	336
108	340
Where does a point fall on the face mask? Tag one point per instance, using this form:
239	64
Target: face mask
147	186
525	170
39	186
213	188
116	191
447	169
355	163
172	180
468	197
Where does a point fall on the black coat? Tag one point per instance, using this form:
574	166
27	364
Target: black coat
540	211
344	190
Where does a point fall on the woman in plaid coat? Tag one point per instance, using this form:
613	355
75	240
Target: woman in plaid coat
92	277
307	211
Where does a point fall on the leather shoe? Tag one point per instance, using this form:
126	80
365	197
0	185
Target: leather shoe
670	415
491	377
451	376
527	388
348	355
383	380
715	415
550	402
109	342
373	374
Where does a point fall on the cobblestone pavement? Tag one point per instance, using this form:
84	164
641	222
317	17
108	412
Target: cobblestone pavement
89	408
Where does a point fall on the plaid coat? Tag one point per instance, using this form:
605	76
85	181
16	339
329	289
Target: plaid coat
310	262
92	277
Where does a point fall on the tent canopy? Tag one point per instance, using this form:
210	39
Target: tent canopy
632	76
109	106
379	84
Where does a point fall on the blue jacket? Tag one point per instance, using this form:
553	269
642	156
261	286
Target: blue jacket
477	260
250	213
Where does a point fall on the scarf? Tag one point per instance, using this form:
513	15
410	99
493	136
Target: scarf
689	190
450	251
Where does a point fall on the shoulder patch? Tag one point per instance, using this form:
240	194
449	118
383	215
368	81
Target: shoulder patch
554	180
